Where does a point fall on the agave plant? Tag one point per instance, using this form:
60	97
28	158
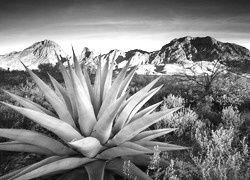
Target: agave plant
98	126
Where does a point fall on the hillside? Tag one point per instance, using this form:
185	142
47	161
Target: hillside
38	53
178	56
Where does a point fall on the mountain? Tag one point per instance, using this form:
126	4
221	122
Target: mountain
177	56
199	49
189	52
38	53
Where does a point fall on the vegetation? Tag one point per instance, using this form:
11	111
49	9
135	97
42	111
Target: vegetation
216	127
97	127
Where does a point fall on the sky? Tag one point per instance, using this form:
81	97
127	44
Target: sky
103	25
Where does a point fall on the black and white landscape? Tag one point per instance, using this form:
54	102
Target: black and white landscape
153	90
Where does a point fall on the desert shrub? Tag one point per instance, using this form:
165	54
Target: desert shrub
172	101
154	169
222	153
180	170
183	120
218	159
231	117
206	111
28	90
245	126
177	169
12	77
232	90
11	119
48	68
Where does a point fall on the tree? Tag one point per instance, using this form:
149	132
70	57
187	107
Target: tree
205	76
53	70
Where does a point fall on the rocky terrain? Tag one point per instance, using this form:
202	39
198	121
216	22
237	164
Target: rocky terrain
38	53
183	55
187	55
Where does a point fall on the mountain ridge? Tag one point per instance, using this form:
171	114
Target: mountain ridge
38	53
184	50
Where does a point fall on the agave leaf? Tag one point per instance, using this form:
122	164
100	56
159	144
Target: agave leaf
135	127
53	124
141	103
97	89
35	166
116	165
104	77
113	92
132	102
57	91
108	80
29	104
54	100
23	147
103	127
11	174
79	74
128	109
144	160
109	75
162	146
79	173
152	134
42	108
55	167
85	109
96	169
126	82
145	89
36	139
62	93
135	146
69	88
88	146
145	111
118	151
87	78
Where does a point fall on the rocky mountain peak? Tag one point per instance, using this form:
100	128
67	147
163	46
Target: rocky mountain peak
179	51
198	49
204	41
43	44
47	42
86	54
38	53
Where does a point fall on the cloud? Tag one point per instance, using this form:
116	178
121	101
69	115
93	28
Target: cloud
132	20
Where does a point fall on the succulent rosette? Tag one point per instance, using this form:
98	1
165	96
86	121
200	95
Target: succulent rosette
98	126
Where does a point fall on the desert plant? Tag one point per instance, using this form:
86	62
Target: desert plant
172	101
183	120
218	158
231	117
207	78
232	89
98	127
180	170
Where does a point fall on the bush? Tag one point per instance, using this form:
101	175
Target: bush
172	101
232	90
48	68
231	117
222	155
183	120
218	159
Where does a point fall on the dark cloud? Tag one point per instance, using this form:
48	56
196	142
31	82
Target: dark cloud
220	18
